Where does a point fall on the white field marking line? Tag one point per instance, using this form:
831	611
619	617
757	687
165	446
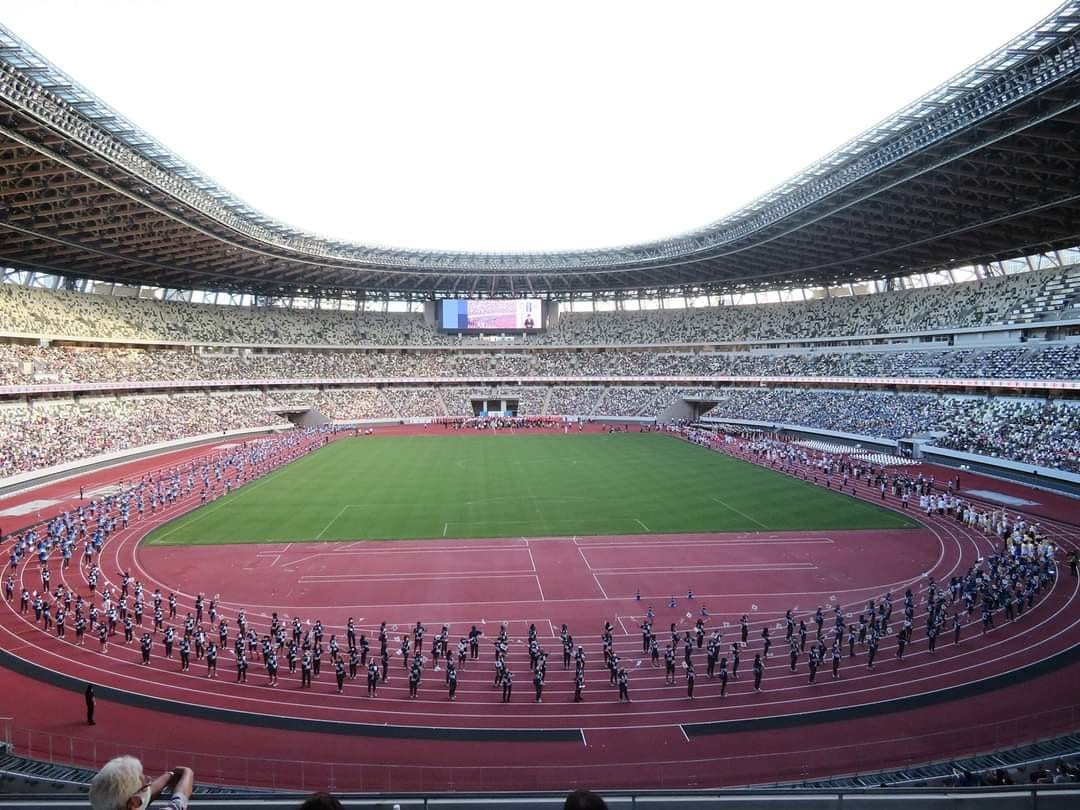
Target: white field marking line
432	550
333	520
642	525
331	580
532	562
601	587
139	679
719	567
583	737
623	626
683	730
748	541
222	500
409	575
445	527
540	588
739	512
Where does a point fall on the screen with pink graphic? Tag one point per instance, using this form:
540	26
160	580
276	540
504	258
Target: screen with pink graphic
494	315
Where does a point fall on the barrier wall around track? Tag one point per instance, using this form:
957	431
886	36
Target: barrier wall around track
375	777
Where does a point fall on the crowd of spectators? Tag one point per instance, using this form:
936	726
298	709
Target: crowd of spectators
1030	432
29	365
1046	434
44	433
1019	298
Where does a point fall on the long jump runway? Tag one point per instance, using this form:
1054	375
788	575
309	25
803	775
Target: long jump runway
961	699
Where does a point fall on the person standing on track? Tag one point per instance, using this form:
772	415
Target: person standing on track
211	660
372	677
759	671
90	703
691	676
451	678
339	673
507	685
305	670
624	685
414	677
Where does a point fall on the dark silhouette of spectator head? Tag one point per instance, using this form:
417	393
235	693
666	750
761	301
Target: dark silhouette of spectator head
584	800
321	801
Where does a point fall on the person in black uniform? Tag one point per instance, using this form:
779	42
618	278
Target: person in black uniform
767	642
451	678
624	685
305	670
339	673
144	646
579	685
372	677
759	671
538	682
241	669
211	660
669	666
691	676
723	677
414	678
90	700
507	685
385	664
744	626
185	654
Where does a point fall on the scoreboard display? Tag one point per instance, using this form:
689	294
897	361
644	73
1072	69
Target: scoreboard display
491	315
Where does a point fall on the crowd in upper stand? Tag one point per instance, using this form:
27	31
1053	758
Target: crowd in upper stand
27	365
1031	432
1018	298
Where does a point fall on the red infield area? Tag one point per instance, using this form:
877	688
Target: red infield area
1009	685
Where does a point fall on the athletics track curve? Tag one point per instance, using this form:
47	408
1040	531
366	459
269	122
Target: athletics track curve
659	738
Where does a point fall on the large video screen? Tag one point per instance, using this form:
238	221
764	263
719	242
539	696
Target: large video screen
496	315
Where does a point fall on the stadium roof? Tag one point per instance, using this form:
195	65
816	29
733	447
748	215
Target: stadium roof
984	167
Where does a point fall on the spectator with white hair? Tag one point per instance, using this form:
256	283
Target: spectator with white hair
121	784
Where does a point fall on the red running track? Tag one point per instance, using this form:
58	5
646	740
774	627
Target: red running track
962	699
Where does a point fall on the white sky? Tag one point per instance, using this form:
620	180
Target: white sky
505	125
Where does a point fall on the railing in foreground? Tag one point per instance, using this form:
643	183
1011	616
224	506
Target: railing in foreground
364	774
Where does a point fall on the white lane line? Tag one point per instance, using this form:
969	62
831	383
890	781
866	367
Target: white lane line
332	521
683	730
598	585
718	568
540	588
642	525
740	512
437	577
583	737
445	527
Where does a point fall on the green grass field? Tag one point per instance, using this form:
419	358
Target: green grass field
530	485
